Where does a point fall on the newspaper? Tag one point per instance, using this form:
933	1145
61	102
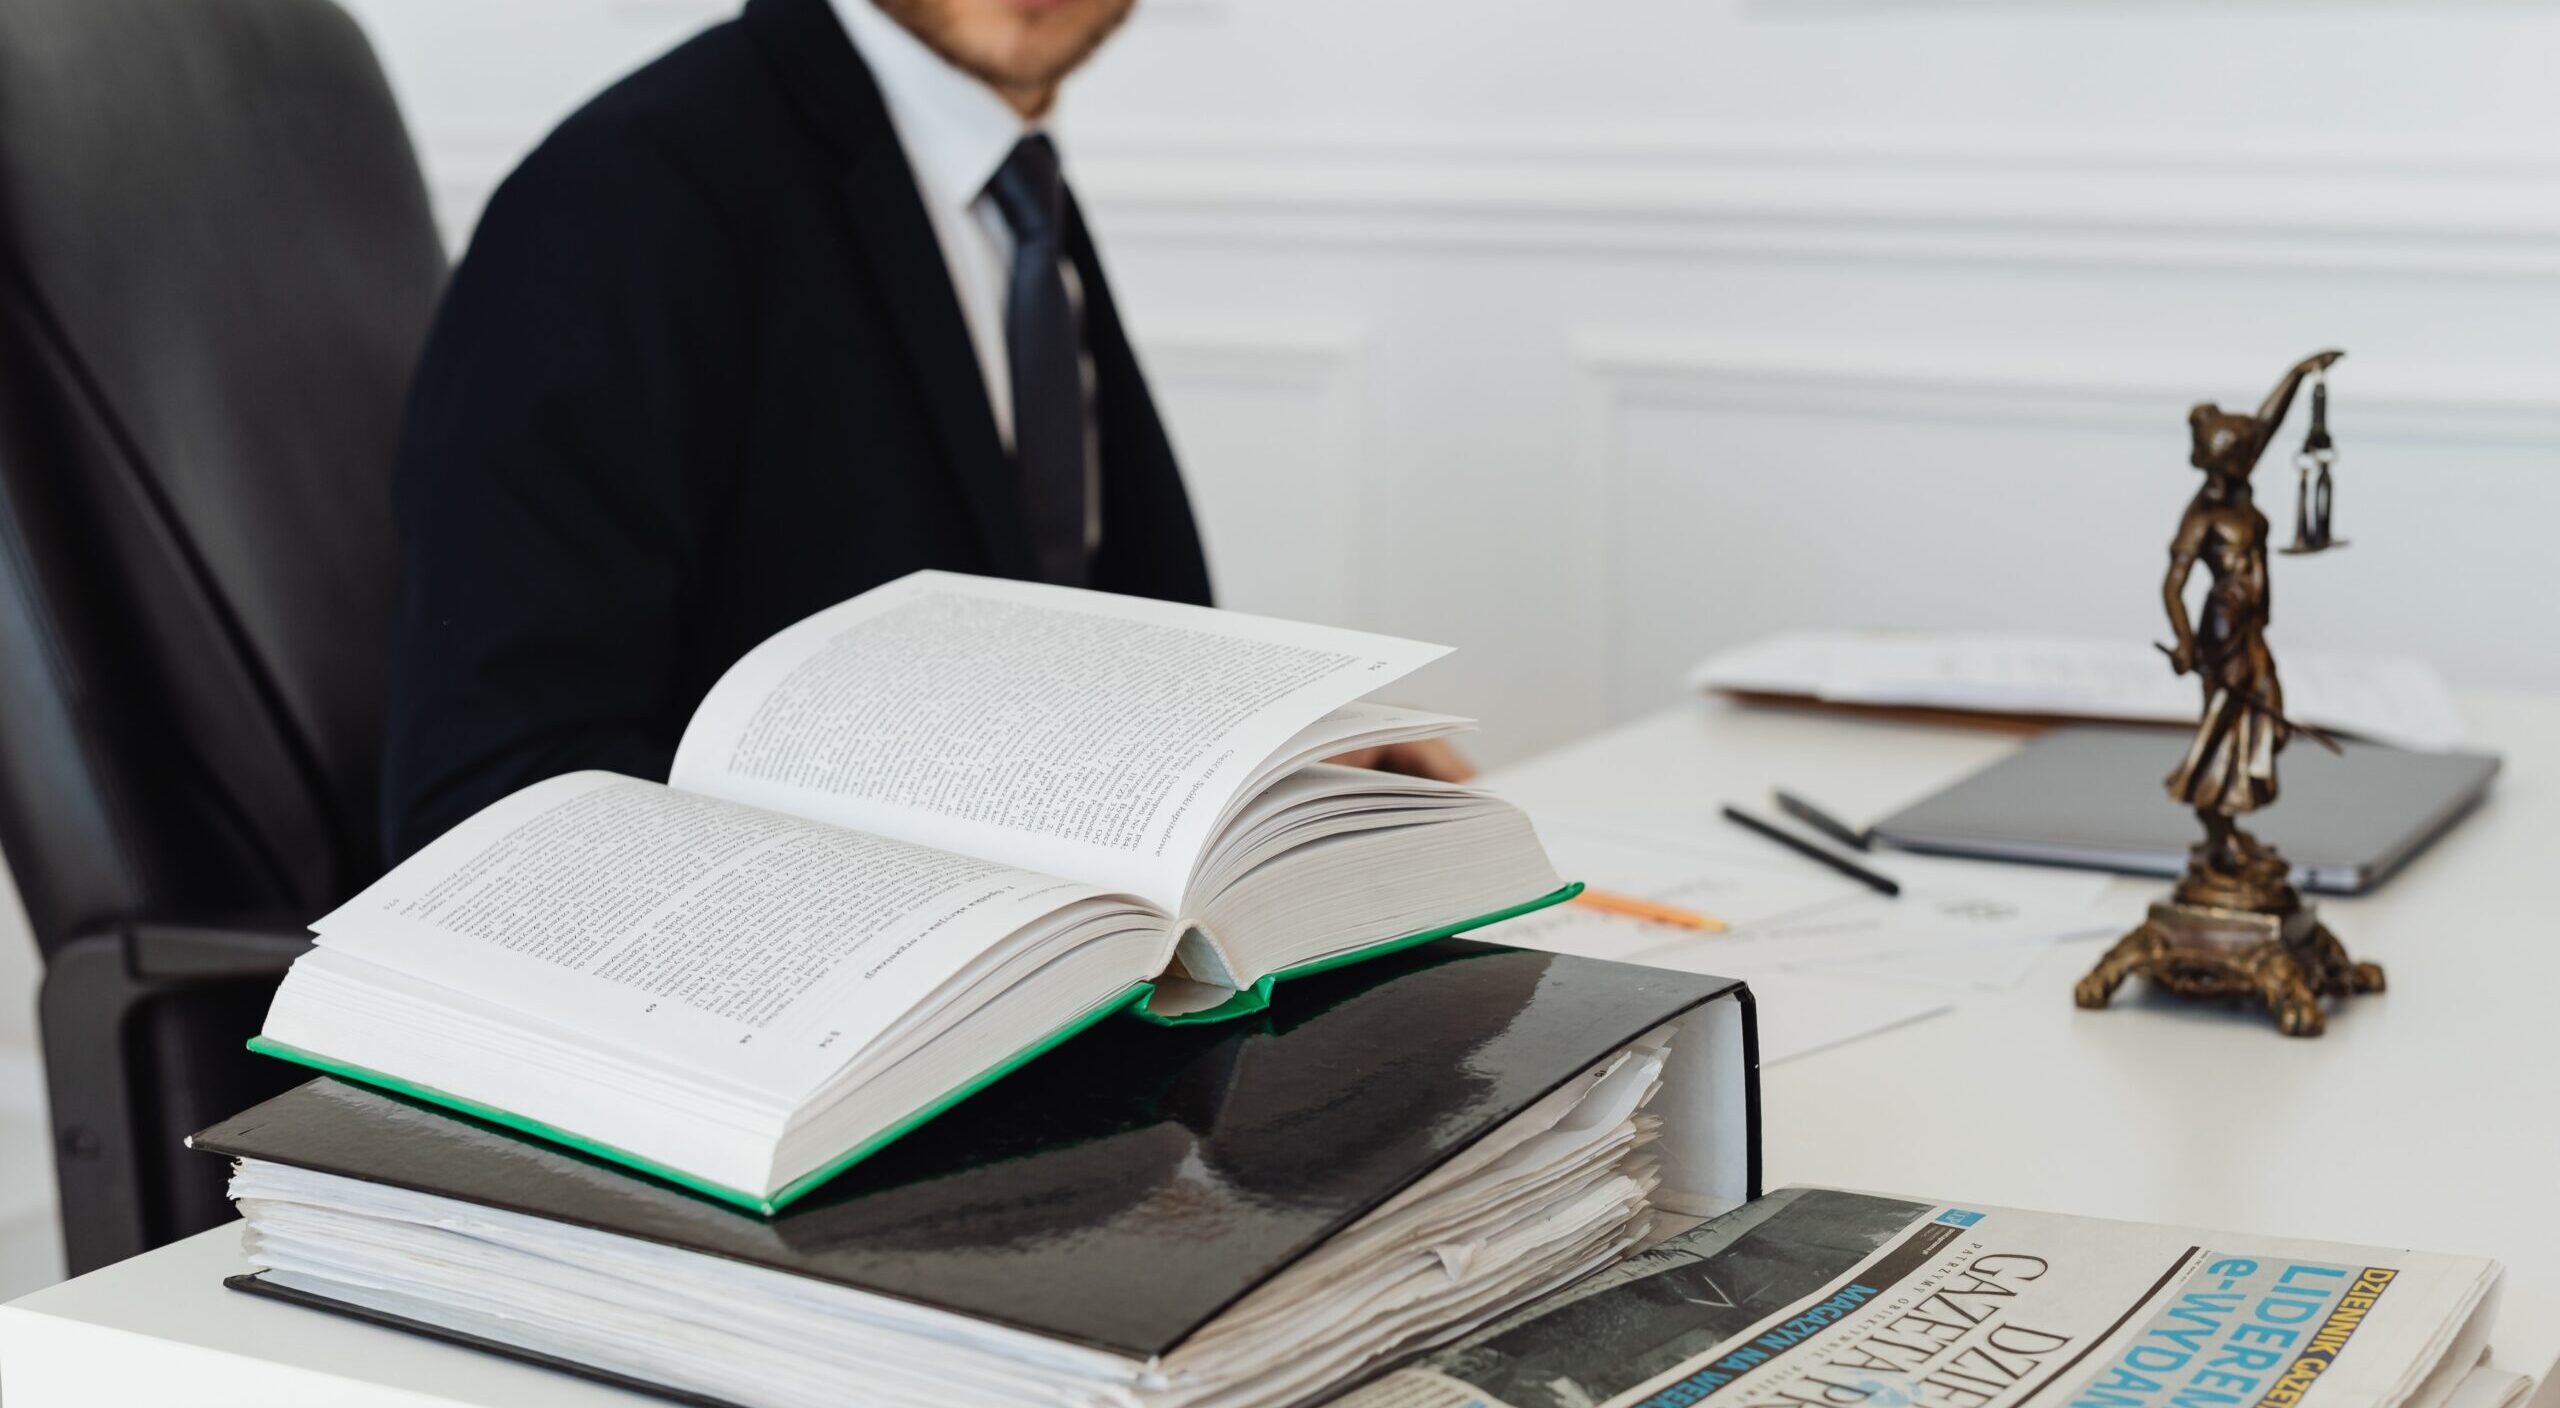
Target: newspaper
1818	1298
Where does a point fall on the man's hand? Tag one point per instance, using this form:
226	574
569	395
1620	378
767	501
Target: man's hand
1430	757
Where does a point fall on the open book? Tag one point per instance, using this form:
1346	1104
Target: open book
908	844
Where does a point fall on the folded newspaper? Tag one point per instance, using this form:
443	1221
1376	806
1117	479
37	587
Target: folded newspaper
1817	1298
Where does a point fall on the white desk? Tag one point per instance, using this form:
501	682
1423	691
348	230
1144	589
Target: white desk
2429	1116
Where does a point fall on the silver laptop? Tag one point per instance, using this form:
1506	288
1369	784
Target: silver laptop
2091	796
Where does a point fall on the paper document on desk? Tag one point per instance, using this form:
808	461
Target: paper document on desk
2387	699
1813	1010
1963	924
1976	967
1958	924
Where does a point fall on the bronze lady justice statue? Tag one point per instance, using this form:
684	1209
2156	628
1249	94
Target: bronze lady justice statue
2234	927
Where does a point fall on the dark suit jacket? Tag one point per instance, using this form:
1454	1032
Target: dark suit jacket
702	373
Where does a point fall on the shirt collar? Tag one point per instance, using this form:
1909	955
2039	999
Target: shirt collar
955	128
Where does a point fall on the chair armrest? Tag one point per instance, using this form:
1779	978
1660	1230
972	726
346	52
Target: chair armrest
246	948
106	1145
173	951
105	972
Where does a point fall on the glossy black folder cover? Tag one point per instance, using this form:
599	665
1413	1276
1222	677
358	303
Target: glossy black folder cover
1125	1188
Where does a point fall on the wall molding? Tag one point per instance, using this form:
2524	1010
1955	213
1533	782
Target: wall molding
1310	354
1949	384
2487	211
2441	425
2422	210
1897	148
1324	362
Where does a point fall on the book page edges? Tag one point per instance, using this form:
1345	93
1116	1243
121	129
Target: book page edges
1257	996
1132	998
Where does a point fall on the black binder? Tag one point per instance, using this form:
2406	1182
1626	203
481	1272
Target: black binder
1274	1133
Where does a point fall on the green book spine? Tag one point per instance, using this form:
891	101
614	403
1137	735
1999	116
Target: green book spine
766	1203
1248	1001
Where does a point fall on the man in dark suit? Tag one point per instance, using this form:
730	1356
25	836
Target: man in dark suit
799	308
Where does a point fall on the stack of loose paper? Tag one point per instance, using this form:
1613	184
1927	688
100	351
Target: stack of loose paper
1829	960
2401	702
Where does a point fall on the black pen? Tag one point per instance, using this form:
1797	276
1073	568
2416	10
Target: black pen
1820	820
1883	885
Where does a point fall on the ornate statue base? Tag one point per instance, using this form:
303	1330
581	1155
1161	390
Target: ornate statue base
2235	929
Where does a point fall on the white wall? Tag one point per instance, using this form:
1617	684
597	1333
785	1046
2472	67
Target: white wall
30	1238
1589	337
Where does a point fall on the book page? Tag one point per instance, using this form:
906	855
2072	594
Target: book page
761	948
1074	732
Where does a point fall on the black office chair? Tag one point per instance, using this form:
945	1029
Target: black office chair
216	266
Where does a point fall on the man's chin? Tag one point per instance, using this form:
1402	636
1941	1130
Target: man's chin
1012	44
1053	38
1037	62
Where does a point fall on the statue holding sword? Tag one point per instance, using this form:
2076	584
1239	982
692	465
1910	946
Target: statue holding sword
2230	768
2235	926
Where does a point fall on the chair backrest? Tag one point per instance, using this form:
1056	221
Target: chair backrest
216	265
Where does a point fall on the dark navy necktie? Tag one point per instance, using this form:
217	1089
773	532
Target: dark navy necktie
1045	349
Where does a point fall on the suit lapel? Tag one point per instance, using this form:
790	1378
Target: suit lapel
889	222
807	48
1120	422
1150	544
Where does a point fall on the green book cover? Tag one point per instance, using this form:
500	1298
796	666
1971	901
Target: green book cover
1132	1000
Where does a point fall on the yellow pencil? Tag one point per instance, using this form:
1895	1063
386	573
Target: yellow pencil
1634	908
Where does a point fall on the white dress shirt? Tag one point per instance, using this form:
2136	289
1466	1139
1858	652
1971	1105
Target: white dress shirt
956	131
